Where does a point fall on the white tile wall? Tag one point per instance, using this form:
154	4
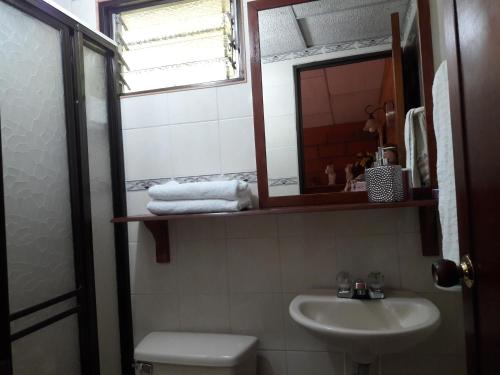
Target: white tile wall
154	312
240	97
237	149
260	315
239	276
279	99
147	153
192	106
279	162
204	312
296	336
194	149
284	190
271	362
144	111
281	131
189	133
149	276
307	263
363	254
314	363
254	265
202	266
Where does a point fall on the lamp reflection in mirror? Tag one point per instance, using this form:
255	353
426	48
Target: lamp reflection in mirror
375	126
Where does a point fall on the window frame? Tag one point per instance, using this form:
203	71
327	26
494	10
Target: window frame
107	8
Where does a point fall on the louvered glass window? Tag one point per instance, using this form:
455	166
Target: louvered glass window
177	44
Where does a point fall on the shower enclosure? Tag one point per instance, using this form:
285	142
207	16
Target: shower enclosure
62	181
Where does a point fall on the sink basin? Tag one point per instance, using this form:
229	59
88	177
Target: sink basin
364	328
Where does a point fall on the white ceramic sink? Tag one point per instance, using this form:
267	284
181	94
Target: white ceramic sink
366	329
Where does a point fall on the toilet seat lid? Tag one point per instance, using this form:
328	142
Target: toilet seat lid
195	349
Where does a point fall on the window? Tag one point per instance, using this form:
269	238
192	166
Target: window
176	44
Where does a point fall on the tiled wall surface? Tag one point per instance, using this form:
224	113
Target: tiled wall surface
189	133
239	275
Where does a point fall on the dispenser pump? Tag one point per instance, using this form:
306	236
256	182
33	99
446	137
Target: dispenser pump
380	159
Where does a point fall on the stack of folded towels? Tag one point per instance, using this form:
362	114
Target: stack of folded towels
199	197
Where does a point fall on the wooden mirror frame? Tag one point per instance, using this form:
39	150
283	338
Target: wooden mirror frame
427	73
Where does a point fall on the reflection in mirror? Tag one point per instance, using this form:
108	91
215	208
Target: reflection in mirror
342	120
326	70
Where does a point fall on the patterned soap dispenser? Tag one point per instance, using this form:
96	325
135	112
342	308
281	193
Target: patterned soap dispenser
384	182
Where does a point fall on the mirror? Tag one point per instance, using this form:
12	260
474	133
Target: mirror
331	92
342	110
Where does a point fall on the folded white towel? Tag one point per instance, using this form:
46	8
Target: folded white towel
197	206
173	191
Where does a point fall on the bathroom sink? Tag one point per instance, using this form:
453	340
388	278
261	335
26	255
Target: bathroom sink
367	328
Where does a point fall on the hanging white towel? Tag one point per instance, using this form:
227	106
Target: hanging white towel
173	191
445	164
197	206
417	152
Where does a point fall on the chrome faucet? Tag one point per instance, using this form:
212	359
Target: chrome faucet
359	289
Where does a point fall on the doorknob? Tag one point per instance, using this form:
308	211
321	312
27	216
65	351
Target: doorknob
446	273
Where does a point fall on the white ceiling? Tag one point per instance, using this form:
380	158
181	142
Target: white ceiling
326	22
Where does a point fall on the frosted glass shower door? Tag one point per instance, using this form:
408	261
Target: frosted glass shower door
101	197
37	195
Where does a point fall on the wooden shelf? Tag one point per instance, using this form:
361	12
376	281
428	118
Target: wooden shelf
281	210
158	225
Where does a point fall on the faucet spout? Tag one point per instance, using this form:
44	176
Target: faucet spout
360	289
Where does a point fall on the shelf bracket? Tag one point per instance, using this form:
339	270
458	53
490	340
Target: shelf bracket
159	230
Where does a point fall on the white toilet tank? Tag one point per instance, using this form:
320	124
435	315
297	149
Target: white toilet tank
183	353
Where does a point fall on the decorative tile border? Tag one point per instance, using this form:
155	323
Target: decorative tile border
283	181
251	177
138	185
313	51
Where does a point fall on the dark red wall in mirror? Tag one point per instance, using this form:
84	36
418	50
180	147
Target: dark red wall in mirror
332	98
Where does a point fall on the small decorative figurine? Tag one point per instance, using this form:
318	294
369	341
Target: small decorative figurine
332	176
349	176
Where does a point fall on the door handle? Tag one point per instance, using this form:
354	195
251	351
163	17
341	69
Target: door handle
447	273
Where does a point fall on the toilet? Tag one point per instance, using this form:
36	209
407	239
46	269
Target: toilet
184	353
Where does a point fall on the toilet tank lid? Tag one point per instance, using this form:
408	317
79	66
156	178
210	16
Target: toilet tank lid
195	349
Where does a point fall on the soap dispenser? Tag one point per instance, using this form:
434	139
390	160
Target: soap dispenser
384	182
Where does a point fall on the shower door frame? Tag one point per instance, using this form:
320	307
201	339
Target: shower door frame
73	36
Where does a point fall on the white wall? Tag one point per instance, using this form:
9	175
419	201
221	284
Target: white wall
238	275
85	10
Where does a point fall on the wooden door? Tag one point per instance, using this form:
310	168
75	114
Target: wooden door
473	55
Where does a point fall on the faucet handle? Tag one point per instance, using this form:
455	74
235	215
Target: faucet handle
343	280
376	280
375	285
344	286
